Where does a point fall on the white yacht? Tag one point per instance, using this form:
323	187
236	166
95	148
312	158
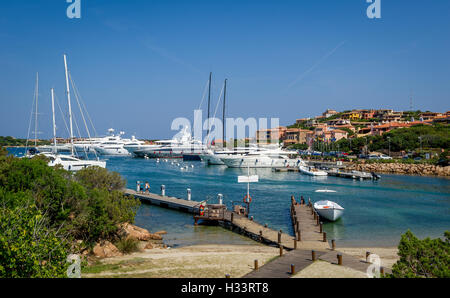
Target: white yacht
69	163
115	145
264	158
73	164
212	157
174	148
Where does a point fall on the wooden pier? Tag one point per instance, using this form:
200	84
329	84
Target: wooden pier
311	236
182	205
306	223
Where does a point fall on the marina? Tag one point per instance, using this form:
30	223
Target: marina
197	139
395	203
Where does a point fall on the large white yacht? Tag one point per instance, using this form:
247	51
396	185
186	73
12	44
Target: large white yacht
214	157
115	145
264	158
174	148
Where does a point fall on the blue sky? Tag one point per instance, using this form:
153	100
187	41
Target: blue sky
140	64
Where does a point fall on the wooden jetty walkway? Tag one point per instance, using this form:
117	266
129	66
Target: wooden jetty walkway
182	205
310	234
307	245
308	230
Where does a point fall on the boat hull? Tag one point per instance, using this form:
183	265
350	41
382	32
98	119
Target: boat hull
331	214
211	159
261	162
117	151
306	171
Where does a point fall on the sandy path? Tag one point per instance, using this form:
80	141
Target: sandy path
209	261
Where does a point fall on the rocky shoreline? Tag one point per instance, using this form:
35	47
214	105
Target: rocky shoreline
401	168
146	240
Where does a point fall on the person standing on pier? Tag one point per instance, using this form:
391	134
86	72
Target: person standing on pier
147	187
138	186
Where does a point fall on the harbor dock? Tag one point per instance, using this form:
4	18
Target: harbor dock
238	222
182	205
308	244
353	175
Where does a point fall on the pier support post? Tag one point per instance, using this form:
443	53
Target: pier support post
281	250
292	269
324	237
313	255
163	190
299	235
295	243
367	256
381	271
339	257
333	244
321	227
260	236
227	276
232	217
279	236
317	219
256	265
297	226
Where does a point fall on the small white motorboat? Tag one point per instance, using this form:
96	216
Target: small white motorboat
311	171
329	210
325	190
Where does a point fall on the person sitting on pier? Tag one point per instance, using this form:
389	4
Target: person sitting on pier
147	187
302	201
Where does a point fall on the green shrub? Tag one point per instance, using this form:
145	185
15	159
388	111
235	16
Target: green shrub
88	206
29	247
127	245
422	258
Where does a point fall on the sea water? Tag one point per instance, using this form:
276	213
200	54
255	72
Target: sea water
376	212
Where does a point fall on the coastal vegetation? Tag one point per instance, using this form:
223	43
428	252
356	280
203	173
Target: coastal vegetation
48	213
13	142
422	258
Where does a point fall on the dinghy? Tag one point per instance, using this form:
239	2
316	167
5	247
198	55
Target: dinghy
312	171
329	210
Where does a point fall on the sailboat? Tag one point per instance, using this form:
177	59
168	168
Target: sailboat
68	162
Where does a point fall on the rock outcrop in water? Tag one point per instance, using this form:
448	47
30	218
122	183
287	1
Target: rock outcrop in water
401	168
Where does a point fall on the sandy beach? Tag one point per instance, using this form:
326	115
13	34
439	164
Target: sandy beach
209	261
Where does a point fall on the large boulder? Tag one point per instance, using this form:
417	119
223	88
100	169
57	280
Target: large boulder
106	250
133	232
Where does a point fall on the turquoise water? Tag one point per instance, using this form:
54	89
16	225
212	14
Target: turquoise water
376	212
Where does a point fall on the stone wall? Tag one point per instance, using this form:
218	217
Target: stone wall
400	168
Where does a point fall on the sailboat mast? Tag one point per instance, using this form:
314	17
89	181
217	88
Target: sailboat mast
68	100
54	123
223	112
209	99
36	112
